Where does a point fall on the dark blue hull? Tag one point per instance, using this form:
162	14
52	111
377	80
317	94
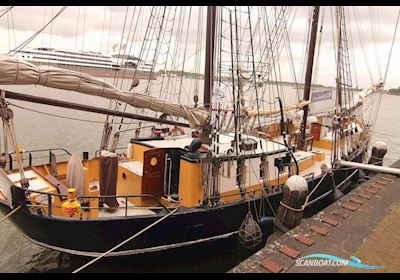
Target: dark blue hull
185	227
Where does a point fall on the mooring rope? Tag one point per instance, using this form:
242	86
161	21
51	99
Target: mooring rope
307	197
9	214
327	171
125	241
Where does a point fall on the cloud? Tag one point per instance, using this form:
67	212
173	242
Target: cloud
98	28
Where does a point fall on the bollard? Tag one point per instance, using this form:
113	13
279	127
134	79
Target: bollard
290	212
379	150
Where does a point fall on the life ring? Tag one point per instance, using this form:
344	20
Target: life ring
176	131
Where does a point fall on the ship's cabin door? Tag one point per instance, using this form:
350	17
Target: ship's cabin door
153	172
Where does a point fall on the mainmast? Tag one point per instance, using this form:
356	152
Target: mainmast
307	83
209	63
339	61
209	69
338	150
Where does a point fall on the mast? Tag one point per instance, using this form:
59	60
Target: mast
209	63
339	61
209	70
307	83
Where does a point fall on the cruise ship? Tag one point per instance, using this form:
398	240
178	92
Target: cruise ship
93	63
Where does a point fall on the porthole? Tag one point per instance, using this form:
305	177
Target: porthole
153	161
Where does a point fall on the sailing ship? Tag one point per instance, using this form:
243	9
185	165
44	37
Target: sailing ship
171	189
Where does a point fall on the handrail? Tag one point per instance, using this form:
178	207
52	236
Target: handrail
101	196
30	158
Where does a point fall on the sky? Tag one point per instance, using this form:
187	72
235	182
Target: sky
99	28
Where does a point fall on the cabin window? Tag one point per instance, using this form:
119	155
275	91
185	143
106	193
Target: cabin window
153	161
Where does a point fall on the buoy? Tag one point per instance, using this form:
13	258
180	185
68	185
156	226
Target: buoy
290	212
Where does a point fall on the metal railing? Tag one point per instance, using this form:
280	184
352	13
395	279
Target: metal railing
30	158
82	198
65	152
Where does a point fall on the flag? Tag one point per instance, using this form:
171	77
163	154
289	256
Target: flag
219	95
321	95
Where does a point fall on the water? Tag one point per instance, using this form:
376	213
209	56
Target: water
37	131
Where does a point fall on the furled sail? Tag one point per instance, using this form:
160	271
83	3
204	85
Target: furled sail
18	72
270	112
359	98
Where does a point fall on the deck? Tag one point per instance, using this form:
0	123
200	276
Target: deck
365	223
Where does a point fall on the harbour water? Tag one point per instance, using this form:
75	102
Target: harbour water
40	131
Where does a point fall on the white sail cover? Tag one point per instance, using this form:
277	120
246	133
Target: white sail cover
19	72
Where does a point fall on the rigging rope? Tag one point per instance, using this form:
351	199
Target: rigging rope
362	42
9	214
51	28
184	53
316	71
102	31
14	51
157	51
60	116
120	46
306	39
44	22
126	241
8	33
391	48
77	29
374	39
6	11
387	69
13	27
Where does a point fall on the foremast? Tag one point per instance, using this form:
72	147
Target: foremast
344	120
308	79
209	69
208	135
